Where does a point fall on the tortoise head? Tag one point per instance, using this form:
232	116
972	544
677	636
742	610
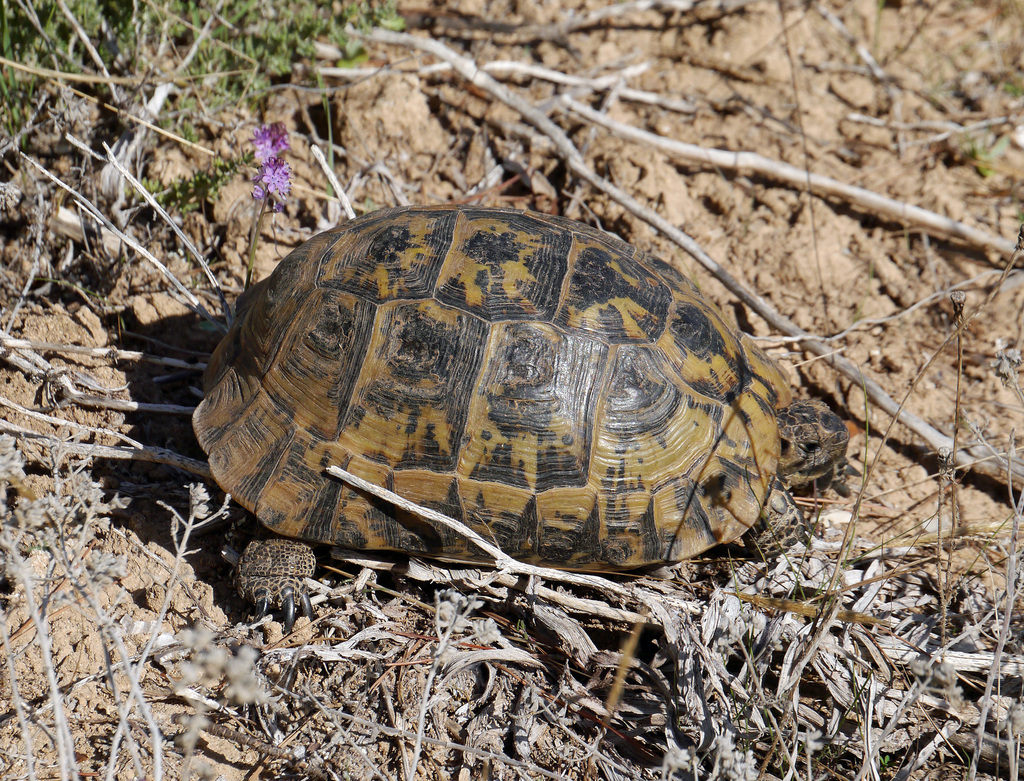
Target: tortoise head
814	441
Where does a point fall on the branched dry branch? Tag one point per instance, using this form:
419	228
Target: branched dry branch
784	173
153	455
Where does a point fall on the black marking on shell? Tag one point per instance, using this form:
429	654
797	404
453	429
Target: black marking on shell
247	492
321	358
426	365
695	521
608	286
640	397
540	388
696	333
559	544
517	271
511	531
398	258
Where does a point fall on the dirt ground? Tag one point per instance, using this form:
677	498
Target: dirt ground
920	103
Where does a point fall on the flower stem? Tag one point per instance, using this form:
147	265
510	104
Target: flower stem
257	222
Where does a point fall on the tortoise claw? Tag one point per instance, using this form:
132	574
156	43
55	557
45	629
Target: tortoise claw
263	606
288	609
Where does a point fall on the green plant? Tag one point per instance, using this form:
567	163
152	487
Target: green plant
191	193
241	49
983	153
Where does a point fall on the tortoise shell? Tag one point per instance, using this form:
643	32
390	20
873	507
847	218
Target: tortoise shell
570	397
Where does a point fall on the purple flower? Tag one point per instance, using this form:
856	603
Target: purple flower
269	140
274	176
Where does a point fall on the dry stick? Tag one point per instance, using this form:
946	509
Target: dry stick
339	191
824	186
113	354
507	68
502	561
148	197
993	464
558	31
155	455
38	369
862	50
62	423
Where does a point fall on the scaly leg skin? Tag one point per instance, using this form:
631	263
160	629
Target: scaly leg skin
782	525
271	574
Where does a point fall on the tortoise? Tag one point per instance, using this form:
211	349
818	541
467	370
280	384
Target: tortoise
570	397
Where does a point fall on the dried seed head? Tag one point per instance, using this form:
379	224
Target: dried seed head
244	686
106	568
957	298
211	663
947	464
679	759
12	462
199	501
37	515
733	763
1007	365
453	610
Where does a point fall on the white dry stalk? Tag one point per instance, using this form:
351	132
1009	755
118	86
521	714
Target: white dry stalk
153	455
948	127
147	196
111	353
59	423
129	142
62	379
506	68
190	300
501	581
502	561
333	179
940	740
84	39
39	368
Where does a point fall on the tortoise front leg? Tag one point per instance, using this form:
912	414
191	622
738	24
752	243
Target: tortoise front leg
272	573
